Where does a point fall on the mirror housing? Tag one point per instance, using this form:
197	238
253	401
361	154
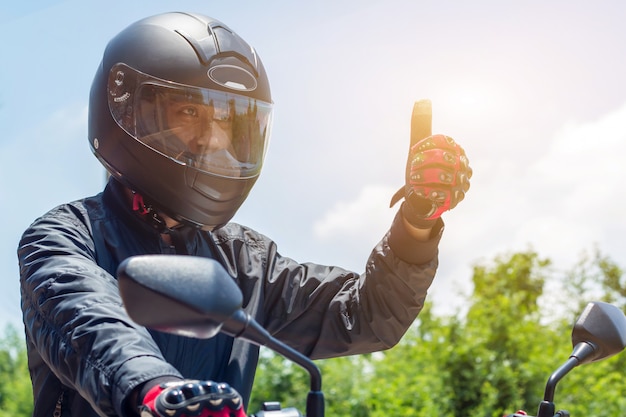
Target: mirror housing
603	326
185	295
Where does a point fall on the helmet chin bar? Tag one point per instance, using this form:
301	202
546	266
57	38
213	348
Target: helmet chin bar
204	201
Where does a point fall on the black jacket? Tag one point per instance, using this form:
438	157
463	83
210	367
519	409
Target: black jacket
85	353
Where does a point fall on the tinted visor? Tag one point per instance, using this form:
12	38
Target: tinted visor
217	132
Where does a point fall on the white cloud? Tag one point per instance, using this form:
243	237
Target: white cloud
579	183
369	212
583	153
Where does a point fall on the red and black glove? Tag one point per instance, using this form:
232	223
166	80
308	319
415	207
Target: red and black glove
192	398
437	172
438	177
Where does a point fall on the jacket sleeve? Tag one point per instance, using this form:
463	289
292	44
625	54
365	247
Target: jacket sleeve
74	317
326	311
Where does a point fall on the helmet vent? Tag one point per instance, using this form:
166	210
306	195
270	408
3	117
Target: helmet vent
232	77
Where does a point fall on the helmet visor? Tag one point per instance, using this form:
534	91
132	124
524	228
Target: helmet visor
217	132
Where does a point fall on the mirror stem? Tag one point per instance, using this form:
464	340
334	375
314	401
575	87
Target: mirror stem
241	325
571	363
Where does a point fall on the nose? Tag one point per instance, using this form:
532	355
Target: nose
202	140
208	140
214	136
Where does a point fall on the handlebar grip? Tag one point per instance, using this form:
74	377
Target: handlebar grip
273	409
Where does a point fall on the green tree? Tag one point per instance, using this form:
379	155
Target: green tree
344	384
348	383
278	380
488	363
16	398
503	335
596	388
411	379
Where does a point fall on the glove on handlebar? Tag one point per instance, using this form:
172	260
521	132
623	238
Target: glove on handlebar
437	179
192	398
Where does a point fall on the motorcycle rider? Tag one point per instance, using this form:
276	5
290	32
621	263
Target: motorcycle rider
179	114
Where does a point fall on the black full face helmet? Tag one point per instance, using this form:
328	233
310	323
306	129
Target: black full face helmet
180	111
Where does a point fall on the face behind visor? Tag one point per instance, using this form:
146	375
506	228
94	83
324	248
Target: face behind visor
213	131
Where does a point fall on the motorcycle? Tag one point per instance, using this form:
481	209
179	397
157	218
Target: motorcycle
196	297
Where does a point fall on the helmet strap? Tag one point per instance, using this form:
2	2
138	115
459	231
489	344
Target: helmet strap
147	212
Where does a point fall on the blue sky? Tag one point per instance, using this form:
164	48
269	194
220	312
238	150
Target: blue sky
534	90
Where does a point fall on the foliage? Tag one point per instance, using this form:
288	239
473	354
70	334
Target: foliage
16	398
345	388
596	388
278	380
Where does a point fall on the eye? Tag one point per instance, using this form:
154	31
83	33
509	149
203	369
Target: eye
188	111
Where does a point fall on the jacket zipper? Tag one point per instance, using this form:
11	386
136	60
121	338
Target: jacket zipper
58	406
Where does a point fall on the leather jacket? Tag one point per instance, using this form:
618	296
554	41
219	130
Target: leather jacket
86	355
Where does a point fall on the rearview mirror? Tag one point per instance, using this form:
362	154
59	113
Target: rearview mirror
603	326
185	295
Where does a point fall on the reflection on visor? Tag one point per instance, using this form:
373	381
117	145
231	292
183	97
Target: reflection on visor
217	132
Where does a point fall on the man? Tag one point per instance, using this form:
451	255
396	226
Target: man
180	111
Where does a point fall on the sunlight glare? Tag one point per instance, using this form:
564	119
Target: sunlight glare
470	102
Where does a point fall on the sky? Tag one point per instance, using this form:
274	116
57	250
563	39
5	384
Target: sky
533	90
